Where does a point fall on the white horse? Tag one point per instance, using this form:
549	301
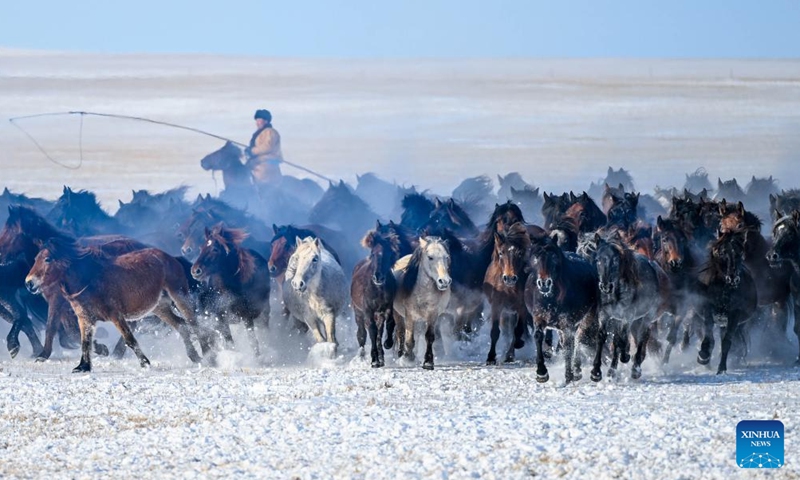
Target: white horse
423	292
315	289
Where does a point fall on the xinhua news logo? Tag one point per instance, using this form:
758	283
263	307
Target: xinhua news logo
759	444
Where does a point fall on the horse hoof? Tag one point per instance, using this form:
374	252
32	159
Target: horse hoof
101	349
388	344
577	376
612	373
596	376
636	373
376	364
427	366
519	344
82	368
13	351
703	361
145	363
491	361
40	359
509	360
722	371
625	357
542	377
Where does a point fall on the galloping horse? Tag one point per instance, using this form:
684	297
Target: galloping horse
117	289
423	292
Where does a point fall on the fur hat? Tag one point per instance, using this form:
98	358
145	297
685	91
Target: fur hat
264	115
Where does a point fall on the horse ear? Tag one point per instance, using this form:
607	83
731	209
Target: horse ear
610	170
274	229
740	206
451	202
719	183
796	216
772	199
544	195
437	203
754	179
597	236
423	242
317	242
378	224
572	197
659	222
199	198
297	242
723	206
499	179
207	232
621	187
121	204
779	214
687	176
607	187
770	179
536	191
358	178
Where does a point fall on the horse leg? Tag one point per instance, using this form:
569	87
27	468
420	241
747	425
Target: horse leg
250	328
51	328
642	333
374	339
224	329
672	337
538	337
625	341
704	355
119	349
491	359
30	332
313	326
390	325
130	340
409	341
521	331
178	292
87	332
329	320
430	336
401	336
164	312
569	356
615	349
509	327
597	366
361	332
20	322
726	334
380	324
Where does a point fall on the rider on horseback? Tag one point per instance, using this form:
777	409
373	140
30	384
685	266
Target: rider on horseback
264	153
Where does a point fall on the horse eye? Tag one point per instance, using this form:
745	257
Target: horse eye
315	259
179	235
430	257
48	260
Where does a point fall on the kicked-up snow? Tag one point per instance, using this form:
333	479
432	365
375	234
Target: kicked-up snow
300	414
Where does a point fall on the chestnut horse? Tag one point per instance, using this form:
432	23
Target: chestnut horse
117	289
239	277
504	286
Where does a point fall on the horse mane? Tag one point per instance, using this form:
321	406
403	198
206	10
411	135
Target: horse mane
517	236
388	238
291	233
502	209
27	221
627	264
231	240
476	188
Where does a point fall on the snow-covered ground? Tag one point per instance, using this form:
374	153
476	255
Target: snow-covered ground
297	416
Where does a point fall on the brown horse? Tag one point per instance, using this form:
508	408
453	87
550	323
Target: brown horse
116	289
240	278
504	286
372	291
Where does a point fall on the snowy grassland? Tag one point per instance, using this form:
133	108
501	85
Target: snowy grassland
296	416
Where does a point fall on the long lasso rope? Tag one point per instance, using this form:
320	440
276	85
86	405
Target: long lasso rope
81	113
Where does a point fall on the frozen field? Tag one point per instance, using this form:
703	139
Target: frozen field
430	123
346	420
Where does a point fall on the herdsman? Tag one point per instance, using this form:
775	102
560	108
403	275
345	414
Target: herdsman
264	153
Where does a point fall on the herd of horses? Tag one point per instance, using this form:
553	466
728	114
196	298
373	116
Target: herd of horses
609	272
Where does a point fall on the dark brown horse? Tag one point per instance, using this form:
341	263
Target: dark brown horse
207	212
785	253
372	291
561	292
504	287
240	279
730	297
117	289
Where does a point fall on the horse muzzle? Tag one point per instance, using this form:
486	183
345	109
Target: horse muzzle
510	280
733	281
721	320
443	284
606	288
33	287
378	282
545	286
299	286
197	273
774	260
675	265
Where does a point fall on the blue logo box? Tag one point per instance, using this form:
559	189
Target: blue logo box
759	444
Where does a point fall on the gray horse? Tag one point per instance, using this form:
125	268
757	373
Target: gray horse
315	289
